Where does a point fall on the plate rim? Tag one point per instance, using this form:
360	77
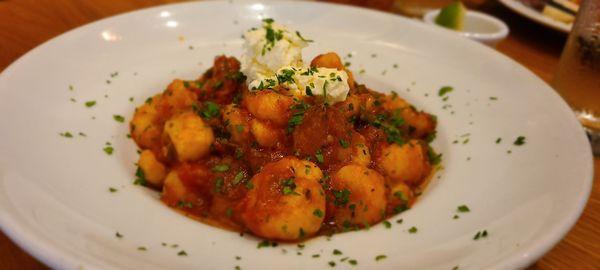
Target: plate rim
43	249
536	16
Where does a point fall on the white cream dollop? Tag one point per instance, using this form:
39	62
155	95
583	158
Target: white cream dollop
273	57
269	48
330	83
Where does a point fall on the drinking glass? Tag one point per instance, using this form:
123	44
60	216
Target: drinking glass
577	79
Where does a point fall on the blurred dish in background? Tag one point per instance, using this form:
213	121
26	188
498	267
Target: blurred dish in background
556	14
418	8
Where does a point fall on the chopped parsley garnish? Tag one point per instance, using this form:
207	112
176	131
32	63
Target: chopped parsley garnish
239	153
209	110
238	177
353	262
434	158
463	209
142	248
221	168
520	141
289	186
118	235
316	256
302	38
319	156
249	185
219	184
444	90
184	204
286	75
182	253
266	243
498	140
309	91
108	150
112	189
331	263
387	224
66	134
140	177
341	197
399	221
271	35
239	128
337	252
119	118
480	234
318	213
413	229
493	98
298	111
218	85
90	104
380	257
344	143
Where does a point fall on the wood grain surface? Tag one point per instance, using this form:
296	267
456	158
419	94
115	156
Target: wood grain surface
25	24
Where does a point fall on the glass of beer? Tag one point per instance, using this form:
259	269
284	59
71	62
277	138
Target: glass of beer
577	79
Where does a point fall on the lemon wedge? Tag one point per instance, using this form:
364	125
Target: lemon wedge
452	16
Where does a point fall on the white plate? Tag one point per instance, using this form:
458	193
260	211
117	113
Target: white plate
536	16
54	198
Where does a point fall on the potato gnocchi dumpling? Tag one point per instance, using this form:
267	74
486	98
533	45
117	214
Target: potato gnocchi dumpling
280	164
358	196
284	199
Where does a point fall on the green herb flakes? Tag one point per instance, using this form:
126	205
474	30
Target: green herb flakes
337	252
413	229
318	213
221	168
112	189
444	90
380	257
108	150
519	141
140	177
463	209
319	156
119	118
387	224
344	143
90	104
289	186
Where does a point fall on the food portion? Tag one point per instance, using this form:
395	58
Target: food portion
283	149
560	10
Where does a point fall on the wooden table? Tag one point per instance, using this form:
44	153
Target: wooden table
25	24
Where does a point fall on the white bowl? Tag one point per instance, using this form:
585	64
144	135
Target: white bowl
54	191
478	26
